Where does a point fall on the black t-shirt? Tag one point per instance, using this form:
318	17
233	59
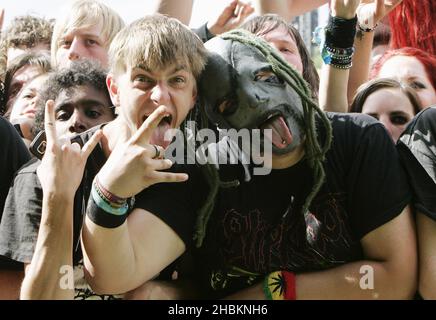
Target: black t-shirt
12	156
417	148
257	227
22	215
23	207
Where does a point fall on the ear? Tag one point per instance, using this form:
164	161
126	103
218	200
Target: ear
113	89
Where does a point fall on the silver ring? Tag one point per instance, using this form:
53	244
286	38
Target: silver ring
157	152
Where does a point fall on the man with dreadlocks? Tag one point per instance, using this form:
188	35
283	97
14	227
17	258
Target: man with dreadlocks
331	220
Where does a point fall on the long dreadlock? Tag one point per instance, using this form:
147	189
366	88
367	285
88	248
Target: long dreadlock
315	153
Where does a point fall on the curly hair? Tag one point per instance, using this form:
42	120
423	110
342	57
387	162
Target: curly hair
27	31
81	73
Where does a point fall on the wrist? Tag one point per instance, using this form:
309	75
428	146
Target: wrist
57	197
342	14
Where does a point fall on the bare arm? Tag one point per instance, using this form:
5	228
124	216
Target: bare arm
298	7
334	81
390	253
60	173
179	9
122	258
359	72
288	8
136	252
427	256
374	10
53	250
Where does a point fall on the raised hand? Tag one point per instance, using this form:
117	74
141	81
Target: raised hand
63	164
370	12
232	17
134	165
345	9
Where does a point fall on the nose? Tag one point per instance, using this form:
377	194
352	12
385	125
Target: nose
252	97
77	122
160	94
75	50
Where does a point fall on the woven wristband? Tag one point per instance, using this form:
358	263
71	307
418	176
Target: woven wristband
109	196
102	218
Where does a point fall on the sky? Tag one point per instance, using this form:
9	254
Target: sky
203	11
128	9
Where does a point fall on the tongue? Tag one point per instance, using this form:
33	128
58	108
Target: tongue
281	135
158	136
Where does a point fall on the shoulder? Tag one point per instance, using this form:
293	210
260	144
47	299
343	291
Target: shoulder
6	128
355	131
423	126
351	121
29	167
417	145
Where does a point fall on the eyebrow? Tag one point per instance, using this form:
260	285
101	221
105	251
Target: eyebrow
82	102
86	35
176	69
399	113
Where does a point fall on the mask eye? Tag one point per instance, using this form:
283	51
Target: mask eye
227	107
268	77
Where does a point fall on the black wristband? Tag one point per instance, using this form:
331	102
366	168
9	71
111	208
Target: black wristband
103	218
340	32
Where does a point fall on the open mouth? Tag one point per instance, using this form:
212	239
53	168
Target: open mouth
160	136
166	120
279	133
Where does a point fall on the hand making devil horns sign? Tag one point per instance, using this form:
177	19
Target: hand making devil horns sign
136	164
62	166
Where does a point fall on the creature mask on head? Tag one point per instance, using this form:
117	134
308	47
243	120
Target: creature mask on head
247	84
241	90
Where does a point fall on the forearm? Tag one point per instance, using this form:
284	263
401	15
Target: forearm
279	7
179	9
53	251
359	72
121	259
359	280
333	89
350	281
105	247
298	7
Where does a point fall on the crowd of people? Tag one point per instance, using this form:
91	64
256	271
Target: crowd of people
93	204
